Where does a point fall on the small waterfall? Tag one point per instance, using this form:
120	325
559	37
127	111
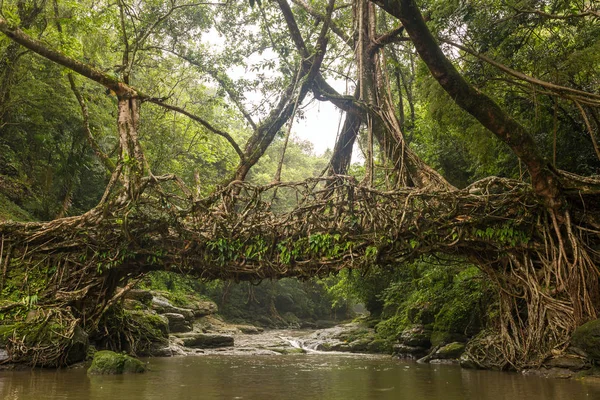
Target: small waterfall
310	346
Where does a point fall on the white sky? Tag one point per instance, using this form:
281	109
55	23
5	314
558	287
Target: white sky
321	120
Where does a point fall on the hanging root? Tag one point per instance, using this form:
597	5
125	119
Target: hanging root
543	266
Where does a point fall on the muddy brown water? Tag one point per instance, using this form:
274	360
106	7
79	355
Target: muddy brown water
298	376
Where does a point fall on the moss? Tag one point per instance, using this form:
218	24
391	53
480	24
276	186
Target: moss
11	211
6	332
110	363
151	325
442	337
452	350
587	338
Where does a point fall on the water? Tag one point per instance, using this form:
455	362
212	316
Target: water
290	377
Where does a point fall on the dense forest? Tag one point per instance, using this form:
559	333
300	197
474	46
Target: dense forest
139	137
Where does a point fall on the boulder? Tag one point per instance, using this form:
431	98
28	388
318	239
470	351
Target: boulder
404	351
416	336
110	363
379	346
151	324
3	355
78	348
163	306
202	308
177	323
205	340
249	329
467	362
450	351
143	296
442	338
571	362
587	338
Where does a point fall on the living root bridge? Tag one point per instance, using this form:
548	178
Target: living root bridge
313	228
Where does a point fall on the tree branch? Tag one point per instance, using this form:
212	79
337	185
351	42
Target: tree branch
121	89
595	98
479	105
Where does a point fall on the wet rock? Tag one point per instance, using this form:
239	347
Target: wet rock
143	296
163	306
587	338
177	323
416	336
205	340
467	362
404	351
3	355
379	346
78	349
555	373
110	363
444	361
573	363
450	351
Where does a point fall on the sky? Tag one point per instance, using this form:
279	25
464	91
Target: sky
321	121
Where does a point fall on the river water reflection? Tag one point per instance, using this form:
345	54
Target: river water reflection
303	376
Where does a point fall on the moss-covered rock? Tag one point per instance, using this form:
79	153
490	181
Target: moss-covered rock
110	363
205	340
151	325
416	336
441	338
143	296
380	346
450	351
587	338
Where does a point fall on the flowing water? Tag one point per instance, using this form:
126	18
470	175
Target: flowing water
302	376
251	371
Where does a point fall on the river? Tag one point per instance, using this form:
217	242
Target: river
298	376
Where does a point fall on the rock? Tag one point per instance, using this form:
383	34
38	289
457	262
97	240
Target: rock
573	363
379	346
442	338
324	324
205	340
143	296
163	306
151	325
177	323
284	302
249	329
587	338
555	373
450	351
445	362
466	362
131	304
110	363
359	345
202	308
404	351
78	348
416	336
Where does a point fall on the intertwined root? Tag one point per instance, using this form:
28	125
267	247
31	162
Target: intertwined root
544	265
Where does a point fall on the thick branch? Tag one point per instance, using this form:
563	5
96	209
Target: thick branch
121	89
592	98
483	108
